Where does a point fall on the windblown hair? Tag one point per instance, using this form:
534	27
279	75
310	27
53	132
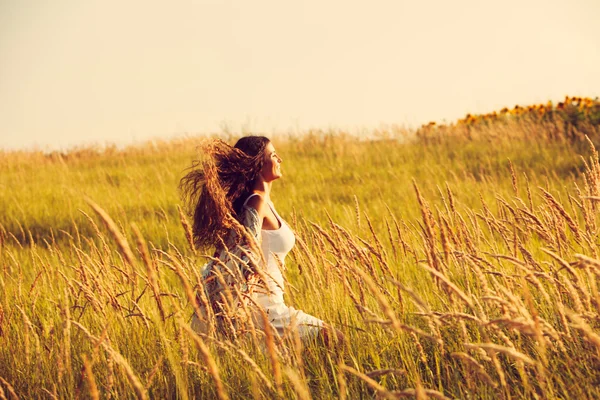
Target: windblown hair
215	188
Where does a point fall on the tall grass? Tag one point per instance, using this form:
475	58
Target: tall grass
456	268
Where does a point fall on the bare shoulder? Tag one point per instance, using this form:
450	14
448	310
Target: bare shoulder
258	203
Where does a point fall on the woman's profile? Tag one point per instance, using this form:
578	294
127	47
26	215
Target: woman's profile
229	195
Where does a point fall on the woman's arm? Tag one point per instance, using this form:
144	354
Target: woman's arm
260	205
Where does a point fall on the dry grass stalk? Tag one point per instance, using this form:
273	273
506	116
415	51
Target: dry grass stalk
139	389
380	248
529	259
421	305
592	279
419	348
517	323
419	393
299	385
594	198
450	198
463	296
226	316
272	352
532	221
90	297
391	238
579	323
475	263
150	269
457	315
588	211
446	246
114	230
357	212
362	259
99	234
232	348
187	229
556	205
429	227
491	348
419	390
475	366
154	372
593	170
241	311
11	390
505	339
541	345
332	242
389	313
381	300
585	260
297	348
66	344
564	264
91	381
513	177
110	380
306	251
133	379
341	380
187	289
210	362
577	304
443	198
405	246
464	235
2	313
30	328
382	372
140	314
381	258
382	392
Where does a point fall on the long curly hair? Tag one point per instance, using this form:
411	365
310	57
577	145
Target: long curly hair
214	189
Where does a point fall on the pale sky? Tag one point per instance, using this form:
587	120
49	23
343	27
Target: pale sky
74	72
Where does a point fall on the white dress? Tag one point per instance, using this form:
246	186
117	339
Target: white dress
275	245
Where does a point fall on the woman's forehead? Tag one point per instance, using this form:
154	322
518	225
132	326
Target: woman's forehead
270	148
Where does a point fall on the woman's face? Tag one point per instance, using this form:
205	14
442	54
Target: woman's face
271	169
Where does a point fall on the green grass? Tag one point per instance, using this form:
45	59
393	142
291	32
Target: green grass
57	270
45	196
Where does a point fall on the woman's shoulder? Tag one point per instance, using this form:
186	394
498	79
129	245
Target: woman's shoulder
257	202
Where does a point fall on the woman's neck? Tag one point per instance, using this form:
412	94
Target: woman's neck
263	188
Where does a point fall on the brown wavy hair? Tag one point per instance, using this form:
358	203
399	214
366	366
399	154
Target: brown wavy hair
214	189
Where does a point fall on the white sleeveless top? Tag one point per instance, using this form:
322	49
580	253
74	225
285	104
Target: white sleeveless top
275	245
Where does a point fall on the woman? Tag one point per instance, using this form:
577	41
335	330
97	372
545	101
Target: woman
230	194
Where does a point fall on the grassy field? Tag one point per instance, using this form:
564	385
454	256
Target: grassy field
461	262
